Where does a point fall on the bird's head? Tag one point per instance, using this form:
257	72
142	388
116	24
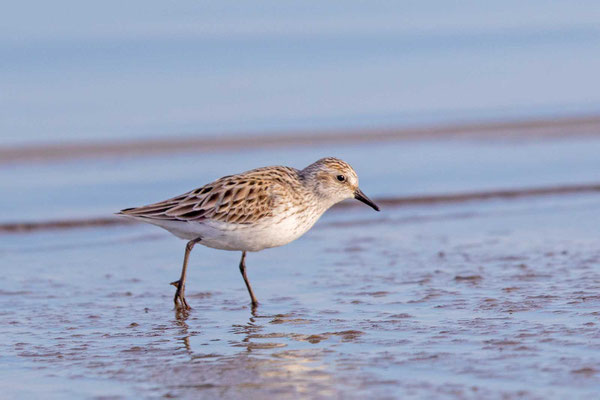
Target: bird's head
335	180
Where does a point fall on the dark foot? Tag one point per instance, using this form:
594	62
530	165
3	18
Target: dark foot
179	299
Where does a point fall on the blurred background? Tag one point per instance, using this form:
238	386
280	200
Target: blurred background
77	71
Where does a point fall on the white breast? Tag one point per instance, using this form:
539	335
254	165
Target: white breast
268	232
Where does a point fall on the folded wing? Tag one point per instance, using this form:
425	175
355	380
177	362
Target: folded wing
237	199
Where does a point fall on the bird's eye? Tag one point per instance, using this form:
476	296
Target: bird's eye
341	178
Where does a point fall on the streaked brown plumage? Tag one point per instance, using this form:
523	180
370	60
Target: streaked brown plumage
238	199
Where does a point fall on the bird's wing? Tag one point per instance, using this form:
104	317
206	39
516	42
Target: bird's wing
238	199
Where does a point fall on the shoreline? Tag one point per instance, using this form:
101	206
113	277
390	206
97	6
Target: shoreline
588	125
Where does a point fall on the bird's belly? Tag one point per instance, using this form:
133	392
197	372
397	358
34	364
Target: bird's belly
265	234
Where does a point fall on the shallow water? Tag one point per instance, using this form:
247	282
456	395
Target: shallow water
495	299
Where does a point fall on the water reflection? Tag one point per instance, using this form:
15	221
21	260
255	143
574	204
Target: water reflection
257	360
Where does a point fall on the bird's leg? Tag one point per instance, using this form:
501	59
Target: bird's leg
179	298
243	271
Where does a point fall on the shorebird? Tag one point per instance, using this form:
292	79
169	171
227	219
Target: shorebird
255	210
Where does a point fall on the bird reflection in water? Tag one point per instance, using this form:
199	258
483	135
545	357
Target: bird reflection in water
265	365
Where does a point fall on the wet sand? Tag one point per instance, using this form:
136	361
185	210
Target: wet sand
486	297
464	301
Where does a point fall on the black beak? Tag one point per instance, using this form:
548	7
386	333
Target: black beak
359	195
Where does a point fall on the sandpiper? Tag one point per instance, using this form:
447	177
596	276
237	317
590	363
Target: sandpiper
258	209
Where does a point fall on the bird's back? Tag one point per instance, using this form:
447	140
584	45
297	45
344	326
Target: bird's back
260	208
